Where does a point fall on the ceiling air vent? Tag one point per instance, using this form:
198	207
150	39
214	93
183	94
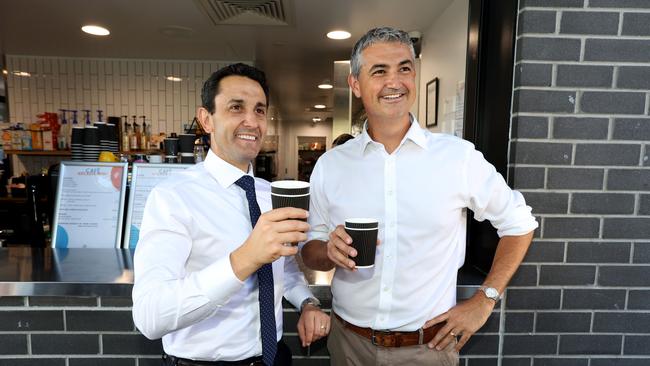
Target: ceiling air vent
246	12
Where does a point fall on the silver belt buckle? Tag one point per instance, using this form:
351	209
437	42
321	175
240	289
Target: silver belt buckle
373	337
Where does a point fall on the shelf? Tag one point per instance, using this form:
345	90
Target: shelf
68	153
142	152
4	199
39	152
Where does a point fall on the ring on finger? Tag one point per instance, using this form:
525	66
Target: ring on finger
452	334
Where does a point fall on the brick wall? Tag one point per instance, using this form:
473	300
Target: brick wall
91	331
580	147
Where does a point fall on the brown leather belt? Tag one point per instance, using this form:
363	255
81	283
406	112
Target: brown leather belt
394	339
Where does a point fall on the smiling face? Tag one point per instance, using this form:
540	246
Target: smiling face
238	123
386	82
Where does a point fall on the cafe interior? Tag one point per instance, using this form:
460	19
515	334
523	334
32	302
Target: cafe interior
146	69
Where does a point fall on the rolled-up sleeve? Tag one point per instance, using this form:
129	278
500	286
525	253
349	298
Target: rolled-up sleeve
490	198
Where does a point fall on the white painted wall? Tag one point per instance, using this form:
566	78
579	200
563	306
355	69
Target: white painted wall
444	48
116	86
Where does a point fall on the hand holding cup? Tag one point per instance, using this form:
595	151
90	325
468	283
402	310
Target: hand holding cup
354	244
363	232
290	193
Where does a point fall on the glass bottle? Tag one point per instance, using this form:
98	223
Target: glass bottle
126	134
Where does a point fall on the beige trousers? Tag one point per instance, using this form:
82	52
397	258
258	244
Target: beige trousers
350	349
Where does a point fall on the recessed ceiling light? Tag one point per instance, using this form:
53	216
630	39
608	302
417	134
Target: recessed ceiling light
325	85
95	30
21	73
338	34
173	78
5	72
316	119
320	106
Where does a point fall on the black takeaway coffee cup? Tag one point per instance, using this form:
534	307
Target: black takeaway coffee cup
363	232
290	193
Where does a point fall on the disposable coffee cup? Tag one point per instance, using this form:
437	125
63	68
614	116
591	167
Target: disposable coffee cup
171	146
187	158
363	232
186	143
91	136
77	136
290	193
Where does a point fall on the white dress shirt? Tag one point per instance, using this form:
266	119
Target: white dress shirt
419	194
185	290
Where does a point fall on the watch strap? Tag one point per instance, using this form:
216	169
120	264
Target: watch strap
310	301
486	290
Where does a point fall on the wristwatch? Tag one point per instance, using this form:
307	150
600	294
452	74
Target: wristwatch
310	301
491	293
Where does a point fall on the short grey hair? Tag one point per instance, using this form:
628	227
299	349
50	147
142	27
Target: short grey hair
377	35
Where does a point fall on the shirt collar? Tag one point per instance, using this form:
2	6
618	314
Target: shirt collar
222	171
415	133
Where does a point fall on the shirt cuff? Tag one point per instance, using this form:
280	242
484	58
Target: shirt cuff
218	281
523	223
297	295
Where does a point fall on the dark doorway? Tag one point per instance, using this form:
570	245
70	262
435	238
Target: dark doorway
488	82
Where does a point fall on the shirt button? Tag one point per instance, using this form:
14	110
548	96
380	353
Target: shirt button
392	224
386	289
390	193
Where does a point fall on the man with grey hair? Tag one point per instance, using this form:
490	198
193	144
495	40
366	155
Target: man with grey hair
418	185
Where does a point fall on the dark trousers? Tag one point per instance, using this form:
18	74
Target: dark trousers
282	358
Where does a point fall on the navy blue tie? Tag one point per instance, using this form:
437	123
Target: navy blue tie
265	279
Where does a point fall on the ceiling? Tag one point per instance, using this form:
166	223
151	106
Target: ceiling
296	56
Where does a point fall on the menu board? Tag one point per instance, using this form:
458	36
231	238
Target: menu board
89	205
143	178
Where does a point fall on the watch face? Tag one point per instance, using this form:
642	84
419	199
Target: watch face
492	293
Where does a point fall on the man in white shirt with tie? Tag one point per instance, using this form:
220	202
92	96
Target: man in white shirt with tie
210	268
418	185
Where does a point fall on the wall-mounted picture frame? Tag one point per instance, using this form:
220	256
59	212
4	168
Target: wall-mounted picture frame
432	103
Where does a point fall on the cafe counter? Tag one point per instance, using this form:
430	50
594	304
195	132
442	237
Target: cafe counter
73	307
26	271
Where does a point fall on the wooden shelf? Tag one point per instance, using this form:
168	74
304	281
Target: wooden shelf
68	153
39	152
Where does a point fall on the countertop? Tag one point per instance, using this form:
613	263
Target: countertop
26	271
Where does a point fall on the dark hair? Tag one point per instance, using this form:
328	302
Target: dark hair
342	139
211	86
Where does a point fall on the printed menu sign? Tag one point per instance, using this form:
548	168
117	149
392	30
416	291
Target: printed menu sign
144	177
89	205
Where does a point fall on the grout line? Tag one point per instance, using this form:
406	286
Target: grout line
502	325
619	32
